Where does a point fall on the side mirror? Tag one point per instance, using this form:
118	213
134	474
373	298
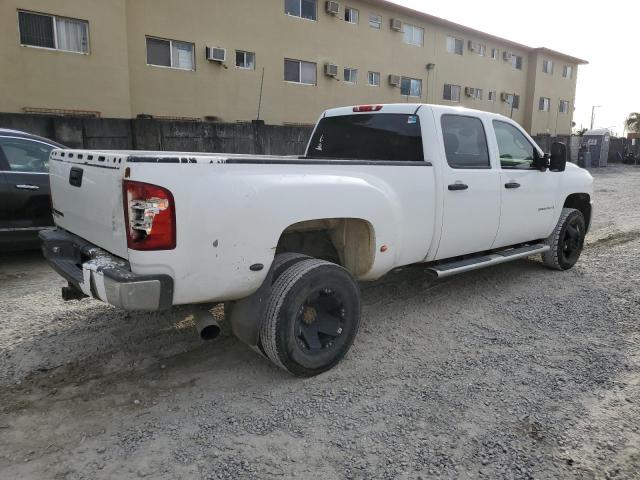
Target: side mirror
541	163
558	157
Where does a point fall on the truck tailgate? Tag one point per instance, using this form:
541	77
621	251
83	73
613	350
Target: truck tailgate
86	192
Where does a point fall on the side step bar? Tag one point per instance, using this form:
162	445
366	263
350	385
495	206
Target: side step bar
443	270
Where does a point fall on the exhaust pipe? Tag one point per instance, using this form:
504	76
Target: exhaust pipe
208	327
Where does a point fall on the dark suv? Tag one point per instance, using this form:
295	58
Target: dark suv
24	188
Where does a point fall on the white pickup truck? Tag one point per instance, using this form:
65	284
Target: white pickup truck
283	241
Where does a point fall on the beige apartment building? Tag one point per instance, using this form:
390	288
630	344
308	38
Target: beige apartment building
287	60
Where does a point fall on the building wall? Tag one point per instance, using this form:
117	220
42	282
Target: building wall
115	79
32	77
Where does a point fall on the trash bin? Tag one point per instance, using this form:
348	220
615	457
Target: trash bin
584	157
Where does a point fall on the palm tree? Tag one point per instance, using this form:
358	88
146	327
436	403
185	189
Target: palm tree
632	123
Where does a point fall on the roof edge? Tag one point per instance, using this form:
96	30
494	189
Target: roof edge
458	26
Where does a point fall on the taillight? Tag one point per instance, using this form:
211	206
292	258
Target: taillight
150	216
367	108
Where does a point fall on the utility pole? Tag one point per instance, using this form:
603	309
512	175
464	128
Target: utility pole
593	114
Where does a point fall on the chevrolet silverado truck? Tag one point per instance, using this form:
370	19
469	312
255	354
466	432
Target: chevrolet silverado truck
283	241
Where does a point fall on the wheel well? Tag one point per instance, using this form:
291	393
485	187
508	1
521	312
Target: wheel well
581	202
349	242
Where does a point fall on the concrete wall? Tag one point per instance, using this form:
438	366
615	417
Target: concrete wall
122	134
115	80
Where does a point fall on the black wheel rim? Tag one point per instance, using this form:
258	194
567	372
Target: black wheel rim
573	240
320	321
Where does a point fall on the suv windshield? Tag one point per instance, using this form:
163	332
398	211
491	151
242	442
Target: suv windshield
378	136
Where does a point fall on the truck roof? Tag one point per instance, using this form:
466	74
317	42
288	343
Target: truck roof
410	108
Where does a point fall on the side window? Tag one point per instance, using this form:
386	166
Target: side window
26	156
515	150
465	142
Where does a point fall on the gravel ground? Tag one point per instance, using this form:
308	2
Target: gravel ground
509	372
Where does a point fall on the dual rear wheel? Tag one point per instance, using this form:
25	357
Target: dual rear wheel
312	315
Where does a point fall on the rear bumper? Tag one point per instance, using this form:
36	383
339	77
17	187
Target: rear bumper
103	276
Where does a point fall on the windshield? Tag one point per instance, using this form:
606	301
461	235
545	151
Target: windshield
379	136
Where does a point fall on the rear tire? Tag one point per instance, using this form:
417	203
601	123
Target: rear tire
282	261
566	241
312	317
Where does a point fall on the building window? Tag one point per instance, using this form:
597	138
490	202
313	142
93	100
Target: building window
544	104
567	71
495	53
301	8
413	35
455	45
49	31
298	71
375	21
451	92
411	87
512	100
491	96
547	66
170	53
516	61
481	49
351	15
245	60
564	106
477	93
373	79
351	75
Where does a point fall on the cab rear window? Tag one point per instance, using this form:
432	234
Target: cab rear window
379	136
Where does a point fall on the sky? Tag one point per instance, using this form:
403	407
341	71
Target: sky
606	34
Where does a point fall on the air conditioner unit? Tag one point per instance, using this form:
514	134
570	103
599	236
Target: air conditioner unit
504	96
470	91
507	56
394	80
396	24
216	54
330	70
332	8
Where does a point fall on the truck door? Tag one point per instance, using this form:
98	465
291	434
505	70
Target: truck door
470	188
26	190
529	197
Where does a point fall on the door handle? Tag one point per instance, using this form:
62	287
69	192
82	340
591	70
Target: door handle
27	187
457	186
512	185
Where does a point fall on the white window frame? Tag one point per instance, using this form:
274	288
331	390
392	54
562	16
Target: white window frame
451	88
375	21
491	95
547	66
545	103
349	12
54	19
245	53
414	29
455	41
353	72
411	80
300	62
563	103
482	49
372	76
495	53
193	54
567	71
477	93
514	61
300	16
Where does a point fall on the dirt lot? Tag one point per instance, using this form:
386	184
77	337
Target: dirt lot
510	372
